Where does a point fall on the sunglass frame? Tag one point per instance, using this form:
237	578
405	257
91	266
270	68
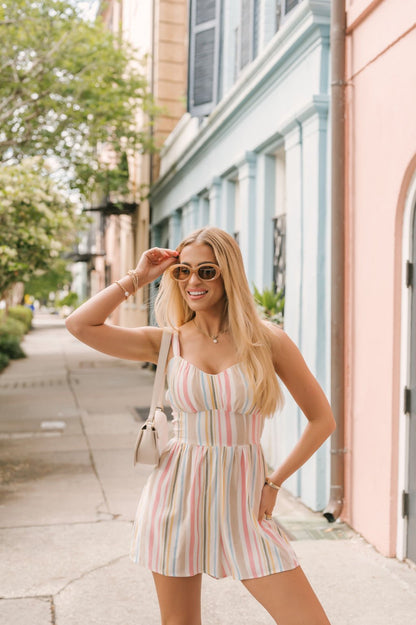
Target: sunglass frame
193	270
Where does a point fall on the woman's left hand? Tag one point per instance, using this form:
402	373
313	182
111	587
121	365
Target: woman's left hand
267	502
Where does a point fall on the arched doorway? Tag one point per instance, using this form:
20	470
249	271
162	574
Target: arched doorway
409	497
407	451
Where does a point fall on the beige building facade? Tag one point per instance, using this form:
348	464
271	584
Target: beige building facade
157	29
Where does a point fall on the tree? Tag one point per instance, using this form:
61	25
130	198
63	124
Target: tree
41	284
37	222
68	88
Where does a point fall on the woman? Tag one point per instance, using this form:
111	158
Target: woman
207	507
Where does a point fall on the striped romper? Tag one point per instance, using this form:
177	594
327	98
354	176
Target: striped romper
198	512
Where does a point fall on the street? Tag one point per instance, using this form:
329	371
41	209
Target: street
68	420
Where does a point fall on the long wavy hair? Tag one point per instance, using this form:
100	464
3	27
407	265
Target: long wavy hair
249	333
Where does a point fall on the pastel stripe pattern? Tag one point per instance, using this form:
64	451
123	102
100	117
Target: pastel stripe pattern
198	510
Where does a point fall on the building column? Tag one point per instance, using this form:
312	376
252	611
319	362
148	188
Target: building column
175	228
247	208
315	290
155	235
190	216
227	217
294	232
215	208
203	211
265	205
282	434
307	317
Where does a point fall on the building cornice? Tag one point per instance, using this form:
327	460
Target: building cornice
306	28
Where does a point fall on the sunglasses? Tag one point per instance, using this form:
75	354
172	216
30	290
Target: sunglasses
205	272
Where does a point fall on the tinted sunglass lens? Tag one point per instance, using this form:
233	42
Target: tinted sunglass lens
180	273
208	272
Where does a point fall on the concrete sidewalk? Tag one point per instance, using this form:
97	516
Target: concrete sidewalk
68	498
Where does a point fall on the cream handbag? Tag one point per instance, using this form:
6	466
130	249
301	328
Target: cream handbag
153	435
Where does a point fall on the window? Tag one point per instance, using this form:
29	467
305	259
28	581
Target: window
279	253
290	4
204	56
248	31
282	8
279	221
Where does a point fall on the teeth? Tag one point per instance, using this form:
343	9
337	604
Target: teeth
196	292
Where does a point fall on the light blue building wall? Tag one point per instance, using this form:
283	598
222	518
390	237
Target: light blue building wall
262	153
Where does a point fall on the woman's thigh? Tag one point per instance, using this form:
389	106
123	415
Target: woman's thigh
288	597
179	599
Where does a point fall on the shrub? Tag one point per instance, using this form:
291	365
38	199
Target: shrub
13	327
22	314
271	304
10	345
4	361
71	299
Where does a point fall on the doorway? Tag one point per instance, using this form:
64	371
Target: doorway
409	496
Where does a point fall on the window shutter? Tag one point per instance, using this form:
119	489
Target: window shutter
204	56
246	27
249	28
290	4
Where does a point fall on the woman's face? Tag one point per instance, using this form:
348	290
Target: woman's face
201	295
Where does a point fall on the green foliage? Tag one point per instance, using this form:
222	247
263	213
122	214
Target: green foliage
13	327
10	345
271	304
69	88
69	300
37	222
22	314
54	279
4	361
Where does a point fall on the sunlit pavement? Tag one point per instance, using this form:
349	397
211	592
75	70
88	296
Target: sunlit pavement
68	418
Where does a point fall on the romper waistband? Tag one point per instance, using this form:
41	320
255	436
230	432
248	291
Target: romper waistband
217	427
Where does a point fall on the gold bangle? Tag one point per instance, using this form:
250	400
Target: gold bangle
126	293
271	484
134	278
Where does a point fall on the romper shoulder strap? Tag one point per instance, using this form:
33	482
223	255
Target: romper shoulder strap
175	344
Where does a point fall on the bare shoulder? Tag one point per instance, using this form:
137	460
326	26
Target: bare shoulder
285	352
277	339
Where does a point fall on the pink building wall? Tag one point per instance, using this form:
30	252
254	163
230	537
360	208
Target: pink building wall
381	145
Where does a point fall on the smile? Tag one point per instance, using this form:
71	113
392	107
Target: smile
196	293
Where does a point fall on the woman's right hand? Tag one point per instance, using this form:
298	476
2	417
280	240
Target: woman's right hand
154	262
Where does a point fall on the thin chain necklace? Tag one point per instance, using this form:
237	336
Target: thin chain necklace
213	337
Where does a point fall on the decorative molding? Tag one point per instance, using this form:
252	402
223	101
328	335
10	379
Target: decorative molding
307	27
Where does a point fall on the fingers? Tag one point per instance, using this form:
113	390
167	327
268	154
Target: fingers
267	504
265	515
156	255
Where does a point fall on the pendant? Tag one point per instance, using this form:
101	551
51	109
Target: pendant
215	339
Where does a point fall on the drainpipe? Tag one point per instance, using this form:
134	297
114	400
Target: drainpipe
338	27
152	90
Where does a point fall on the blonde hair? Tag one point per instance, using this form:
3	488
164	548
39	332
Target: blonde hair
249	333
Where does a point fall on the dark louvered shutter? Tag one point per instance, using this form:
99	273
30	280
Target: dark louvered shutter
290	4
204	49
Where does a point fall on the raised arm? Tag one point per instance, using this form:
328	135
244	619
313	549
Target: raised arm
87	322
305	390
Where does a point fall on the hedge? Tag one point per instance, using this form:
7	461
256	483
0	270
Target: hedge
12	329
22	314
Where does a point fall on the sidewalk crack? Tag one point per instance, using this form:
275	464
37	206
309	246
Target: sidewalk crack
84	432
89	572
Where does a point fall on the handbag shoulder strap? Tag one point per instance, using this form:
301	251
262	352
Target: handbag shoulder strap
158	386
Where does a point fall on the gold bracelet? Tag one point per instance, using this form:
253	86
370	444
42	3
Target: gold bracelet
271	484
134	278
125	291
